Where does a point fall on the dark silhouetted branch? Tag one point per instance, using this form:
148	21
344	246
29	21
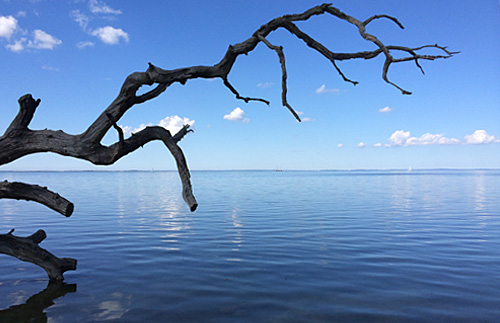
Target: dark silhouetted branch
27	249
18	140
22	191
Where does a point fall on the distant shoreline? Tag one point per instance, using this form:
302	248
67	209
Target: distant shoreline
254	170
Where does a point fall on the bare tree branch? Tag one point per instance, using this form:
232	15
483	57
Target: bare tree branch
284	89
18	140
238	96
27	249
367	21
21	191
332	57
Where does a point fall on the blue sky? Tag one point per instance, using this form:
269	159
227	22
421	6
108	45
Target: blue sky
75	55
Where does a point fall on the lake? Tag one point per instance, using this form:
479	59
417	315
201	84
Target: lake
263	246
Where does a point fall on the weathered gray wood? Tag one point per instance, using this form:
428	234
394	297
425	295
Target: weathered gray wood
27	249
22	191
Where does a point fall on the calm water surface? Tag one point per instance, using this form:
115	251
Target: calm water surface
262	247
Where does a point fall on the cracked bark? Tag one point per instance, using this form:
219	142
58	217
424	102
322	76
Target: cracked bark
18	140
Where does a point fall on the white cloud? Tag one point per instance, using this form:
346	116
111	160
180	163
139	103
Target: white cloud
84	44
172	124
306	119
110	35
21	14
399	138
175	123
237	115
265	85
42	40
17	46
385	110
323	89
361	145
404	138
50	68
340	145
99	7
430	139
80	18
480	137
128	130
8	26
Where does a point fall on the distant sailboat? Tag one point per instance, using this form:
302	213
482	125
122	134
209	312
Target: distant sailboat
409	169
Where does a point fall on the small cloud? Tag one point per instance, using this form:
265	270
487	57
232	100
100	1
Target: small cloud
21	14
175	123
265	85
480	137
80	18
8	25
340	145
50	68
237	115
127	130
385	110
84	44
99	7
399	138
305	119
18	45
42	40
361	145
110	35
172	124
403	138
323	89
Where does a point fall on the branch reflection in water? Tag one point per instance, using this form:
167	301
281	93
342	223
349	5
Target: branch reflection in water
33	309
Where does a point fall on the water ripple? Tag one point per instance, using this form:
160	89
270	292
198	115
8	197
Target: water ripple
265	246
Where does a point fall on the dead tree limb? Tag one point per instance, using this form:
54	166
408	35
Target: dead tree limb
18	140
27	249
21	191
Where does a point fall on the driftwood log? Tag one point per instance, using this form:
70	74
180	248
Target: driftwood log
18	140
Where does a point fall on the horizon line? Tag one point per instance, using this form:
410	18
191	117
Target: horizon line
254	170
